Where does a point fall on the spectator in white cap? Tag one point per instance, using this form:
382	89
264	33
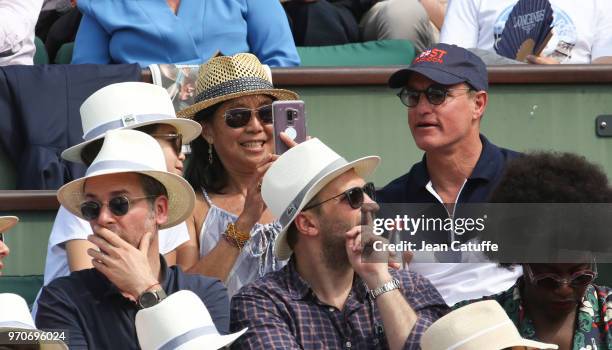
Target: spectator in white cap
167	326
131	105
480	326
127	196
15	315
328	296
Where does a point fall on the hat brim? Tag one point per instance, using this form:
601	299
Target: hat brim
212	341
181	198
278	94
362	166
7	222
188	128
401	77
509	343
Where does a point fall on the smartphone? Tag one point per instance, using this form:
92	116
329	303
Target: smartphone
289	117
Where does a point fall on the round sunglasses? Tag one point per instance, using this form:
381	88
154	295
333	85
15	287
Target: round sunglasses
239	117
119	206
354	196
553	281
435	94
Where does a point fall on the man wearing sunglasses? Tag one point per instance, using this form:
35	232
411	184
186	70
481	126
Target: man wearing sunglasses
327	296
131	105
557	302
127	196
445	90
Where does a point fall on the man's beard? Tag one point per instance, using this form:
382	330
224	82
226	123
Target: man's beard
333	251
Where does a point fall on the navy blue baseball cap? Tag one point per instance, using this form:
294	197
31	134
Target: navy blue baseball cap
447	65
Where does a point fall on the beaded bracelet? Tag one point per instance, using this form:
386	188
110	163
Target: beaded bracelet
235	237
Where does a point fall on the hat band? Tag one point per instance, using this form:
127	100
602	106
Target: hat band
287	215
484	331
187	336
119	165
234	86
127	120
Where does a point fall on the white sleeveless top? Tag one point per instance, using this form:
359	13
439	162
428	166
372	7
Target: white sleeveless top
256	258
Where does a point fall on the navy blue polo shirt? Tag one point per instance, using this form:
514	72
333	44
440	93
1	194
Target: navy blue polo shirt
97	316
410	187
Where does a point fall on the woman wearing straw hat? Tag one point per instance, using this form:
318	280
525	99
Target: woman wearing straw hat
232	232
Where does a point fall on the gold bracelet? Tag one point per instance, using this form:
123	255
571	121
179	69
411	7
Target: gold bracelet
239	238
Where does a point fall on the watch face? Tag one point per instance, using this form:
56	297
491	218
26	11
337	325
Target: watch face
147	299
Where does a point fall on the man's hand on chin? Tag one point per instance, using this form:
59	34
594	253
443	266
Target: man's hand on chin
125	266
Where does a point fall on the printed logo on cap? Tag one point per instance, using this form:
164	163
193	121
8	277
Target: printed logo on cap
433	55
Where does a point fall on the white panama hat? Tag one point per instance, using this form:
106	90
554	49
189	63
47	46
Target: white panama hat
131	151
298	175
15	315
483	325
7	222
181	321
128	106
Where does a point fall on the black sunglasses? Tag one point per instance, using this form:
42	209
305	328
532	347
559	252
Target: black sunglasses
354	196
119	206
435	94
176	140
553	281
239	117
1	237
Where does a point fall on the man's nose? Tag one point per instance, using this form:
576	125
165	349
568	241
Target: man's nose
106	216
4	250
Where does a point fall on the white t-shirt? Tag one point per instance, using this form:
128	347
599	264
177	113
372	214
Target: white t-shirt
582	29
17	22
466	280
68	227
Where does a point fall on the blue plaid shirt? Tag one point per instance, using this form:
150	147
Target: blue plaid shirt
282	312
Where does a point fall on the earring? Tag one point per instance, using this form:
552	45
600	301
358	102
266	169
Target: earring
210	153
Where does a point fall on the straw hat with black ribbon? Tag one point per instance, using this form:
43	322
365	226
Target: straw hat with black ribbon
224	78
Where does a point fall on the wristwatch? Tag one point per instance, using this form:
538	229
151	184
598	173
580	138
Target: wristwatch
151	298
387	287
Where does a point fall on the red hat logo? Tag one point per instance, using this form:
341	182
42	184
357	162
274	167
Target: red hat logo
433	55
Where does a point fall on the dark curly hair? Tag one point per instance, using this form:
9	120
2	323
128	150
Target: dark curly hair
199	172
552	177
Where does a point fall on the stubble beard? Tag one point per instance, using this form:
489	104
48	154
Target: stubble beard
333	252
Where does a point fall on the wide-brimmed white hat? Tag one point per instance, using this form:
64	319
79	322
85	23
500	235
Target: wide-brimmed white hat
7	222
131	151
479	326
128	106
15	315
181	321
298	175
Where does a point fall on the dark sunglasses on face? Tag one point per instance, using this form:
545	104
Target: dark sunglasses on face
239	117
176	140
435	94
119	206
1	237
553	281
354	196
